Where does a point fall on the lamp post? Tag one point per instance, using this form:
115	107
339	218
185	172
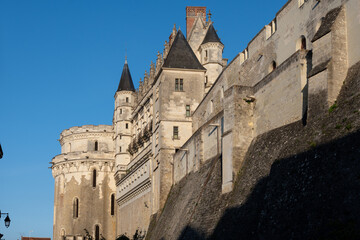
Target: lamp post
7	219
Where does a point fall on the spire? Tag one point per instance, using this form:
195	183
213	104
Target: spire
126	83
181	55
211	35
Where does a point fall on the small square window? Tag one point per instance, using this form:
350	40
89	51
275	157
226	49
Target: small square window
175	132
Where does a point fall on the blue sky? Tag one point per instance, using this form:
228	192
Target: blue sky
60	64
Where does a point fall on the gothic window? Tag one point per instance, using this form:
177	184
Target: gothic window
188	110
96	145
94	178
97	232
76	208
112	205
175	132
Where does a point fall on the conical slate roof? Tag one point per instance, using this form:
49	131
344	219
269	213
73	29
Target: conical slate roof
181	55
126	83
211	35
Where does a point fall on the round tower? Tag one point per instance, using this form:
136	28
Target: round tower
84	184
211	50
125	98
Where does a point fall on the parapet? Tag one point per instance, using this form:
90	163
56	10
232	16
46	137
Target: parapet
85	129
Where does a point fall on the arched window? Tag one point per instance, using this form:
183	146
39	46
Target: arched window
94	178
272	66
96	145
303	42
112	205
97	232
76	208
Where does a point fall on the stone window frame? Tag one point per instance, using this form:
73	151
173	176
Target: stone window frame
176	132
112	204
76	207
179	84
94	176
187	111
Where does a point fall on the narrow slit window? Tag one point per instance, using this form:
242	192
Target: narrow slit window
176	84
76	208
112	205
94	178
96	146
188	110
176	132
97	232
126	125
181	86
127	99
120	111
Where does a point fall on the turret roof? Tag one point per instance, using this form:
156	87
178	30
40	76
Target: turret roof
211	35
126	83
181	55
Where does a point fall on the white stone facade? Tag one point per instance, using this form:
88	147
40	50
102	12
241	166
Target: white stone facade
181	117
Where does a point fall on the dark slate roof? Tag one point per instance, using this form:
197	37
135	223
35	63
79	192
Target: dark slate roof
211	35
181	55
126	83
327	23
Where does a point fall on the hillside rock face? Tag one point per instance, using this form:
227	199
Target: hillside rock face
297	182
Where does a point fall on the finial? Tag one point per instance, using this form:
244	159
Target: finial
125	54
209	15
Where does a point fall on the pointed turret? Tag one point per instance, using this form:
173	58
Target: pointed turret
211	35
126	83
181	55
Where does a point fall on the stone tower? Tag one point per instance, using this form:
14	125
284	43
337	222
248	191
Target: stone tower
211	50
125	98
84	183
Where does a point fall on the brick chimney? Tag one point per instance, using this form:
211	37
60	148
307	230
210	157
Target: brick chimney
191	14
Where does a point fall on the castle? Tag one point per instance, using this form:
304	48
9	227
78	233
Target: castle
193	106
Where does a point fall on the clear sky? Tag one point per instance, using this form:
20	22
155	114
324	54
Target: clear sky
60	64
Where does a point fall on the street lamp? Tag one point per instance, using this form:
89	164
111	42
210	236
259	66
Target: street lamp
7	219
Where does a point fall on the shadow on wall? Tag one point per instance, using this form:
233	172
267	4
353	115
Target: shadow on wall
311	195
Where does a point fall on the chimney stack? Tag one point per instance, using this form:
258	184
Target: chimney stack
191	15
